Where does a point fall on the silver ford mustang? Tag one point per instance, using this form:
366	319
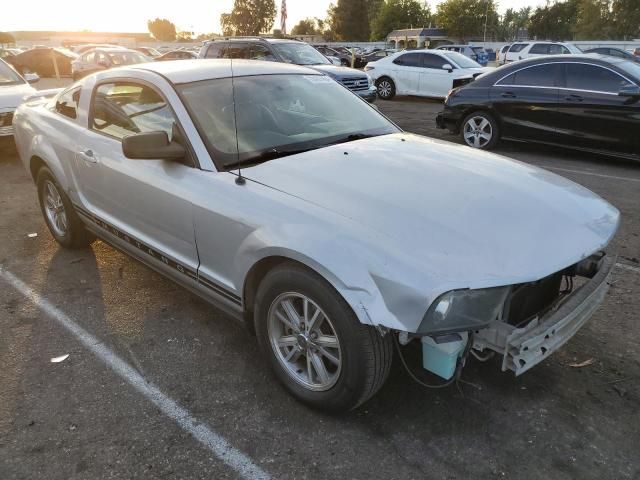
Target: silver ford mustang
279	196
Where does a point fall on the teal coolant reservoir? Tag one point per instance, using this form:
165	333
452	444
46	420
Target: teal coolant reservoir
440	355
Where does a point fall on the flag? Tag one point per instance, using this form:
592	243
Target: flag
283	17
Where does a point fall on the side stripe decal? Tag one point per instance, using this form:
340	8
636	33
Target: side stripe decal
151	252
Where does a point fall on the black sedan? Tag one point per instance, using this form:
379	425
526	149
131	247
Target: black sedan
586	102
614	52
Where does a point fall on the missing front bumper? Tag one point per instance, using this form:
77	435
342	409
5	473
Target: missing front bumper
523	348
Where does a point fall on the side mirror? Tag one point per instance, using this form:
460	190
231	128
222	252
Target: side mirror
32	78
448	67
152	146
631	91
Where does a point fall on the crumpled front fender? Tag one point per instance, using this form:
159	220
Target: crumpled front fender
373	291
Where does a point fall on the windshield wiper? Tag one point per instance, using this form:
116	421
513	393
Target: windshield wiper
352	137
267	155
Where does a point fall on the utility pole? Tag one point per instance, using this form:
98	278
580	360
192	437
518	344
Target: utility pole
486	14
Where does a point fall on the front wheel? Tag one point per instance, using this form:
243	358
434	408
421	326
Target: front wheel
315	344
480	130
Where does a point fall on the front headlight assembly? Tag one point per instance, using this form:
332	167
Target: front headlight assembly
463	310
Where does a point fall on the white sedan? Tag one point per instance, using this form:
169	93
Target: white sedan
13	90
426	73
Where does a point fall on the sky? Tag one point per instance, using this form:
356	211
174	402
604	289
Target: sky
132	15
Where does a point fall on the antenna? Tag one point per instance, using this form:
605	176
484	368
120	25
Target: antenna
239	179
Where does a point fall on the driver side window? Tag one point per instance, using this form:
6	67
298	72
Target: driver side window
121	109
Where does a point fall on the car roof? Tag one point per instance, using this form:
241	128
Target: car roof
186	71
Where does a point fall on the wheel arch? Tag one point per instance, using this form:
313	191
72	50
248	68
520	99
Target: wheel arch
478	108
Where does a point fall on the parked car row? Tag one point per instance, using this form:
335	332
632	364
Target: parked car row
290	51
586	102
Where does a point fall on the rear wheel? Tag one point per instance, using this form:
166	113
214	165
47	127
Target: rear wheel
315	344
480	130
386	88
61	219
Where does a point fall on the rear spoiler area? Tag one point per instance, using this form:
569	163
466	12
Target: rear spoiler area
43	94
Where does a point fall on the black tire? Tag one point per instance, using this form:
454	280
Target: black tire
386	88
479	140
365	355
76	235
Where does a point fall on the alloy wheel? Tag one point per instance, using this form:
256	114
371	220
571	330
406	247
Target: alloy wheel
54	209
478	131
304	341
385	88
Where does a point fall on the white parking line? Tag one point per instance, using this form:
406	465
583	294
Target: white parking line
217	444
624	266
584	172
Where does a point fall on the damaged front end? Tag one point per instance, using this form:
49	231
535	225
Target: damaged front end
539	318
532	320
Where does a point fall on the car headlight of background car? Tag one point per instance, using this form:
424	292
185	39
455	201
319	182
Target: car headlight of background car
459	310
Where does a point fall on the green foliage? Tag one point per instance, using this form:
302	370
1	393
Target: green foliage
398	14
349	20
162	29
554	22
625	15
308	26
509	24
594	20
466	18
249	17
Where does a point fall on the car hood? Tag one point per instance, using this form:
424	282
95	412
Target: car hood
338	72
13	95
471	218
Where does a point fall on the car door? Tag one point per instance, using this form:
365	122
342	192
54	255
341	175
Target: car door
434	80
593	115
514	53
141	205
527	102
407	69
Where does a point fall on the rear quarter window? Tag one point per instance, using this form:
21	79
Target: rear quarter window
518	47
539	48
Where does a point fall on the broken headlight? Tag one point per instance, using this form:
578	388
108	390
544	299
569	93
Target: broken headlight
460	310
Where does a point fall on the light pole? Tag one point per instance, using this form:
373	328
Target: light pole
484	36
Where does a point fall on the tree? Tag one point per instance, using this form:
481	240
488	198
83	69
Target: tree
6	37
397	14
625	16
162	29
467	18
594	20
307	26
554	22
184	37
249	17
511	22
347	20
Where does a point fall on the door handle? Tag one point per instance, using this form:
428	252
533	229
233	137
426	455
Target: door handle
573	98
508	95
88	156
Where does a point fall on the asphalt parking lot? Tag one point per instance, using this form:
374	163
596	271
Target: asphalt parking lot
160	385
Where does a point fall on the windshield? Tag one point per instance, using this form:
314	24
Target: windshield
127	58
8	76
478	50
300	54
461	60
277	115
